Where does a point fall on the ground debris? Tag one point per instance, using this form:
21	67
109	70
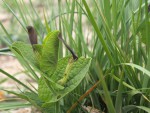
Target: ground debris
91	109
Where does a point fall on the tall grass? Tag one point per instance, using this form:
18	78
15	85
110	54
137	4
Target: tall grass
115	34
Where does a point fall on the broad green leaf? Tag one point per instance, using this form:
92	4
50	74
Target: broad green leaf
38	53
26	57
49	57
50	108
47	95
61	67
46	89
26	51
48	63
75	75
43	90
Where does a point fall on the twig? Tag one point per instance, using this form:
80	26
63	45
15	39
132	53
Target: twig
83	96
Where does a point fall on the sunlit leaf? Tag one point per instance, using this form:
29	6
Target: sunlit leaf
50	53
74	76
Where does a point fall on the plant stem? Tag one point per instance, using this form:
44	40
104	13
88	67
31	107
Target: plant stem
83	96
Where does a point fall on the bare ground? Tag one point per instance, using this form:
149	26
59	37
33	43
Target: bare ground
12	66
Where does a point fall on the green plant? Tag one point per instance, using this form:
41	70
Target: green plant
115	35
57	78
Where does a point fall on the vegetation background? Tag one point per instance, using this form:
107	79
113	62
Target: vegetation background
114	33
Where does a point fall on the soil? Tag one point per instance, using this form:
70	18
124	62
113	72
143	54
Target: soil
12	66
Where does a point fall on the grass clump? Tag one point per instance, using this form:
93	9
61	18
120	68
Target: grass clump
115	34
